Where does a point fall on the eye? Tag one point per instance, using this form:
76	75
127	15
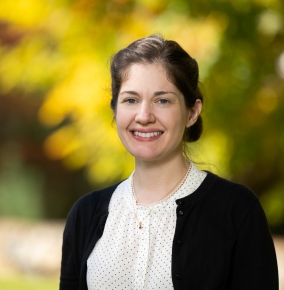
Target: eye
130	101
163	101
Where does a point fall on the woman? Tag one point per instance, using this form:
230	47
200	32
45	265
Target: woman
169	225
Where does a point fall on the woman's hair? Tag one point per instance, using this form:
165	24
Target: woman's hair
181	69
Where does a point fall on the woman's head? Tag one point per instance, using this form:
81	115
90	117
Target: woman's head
181	70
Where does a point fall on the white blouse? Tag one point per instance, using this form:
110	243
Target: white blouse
127	257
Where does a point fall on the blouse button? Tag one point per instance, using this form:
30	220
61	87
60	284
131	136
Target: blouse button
180	213
179	242
178	277
178	202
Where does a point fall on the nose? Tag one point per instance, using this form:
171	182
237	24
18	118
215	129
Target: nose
145	114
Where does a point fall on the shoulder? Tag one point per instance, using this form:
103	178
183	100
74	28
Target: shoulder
95	198
229	190
88	210
217	192
231	199
93	203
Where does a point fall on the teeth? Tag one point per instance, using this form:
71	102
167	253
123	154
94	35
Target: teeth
146	135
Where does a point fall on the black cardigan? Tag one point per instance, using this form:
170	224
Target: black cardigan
221	242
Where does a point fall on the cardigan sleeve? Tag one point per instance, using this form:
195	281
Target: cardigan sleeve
254	260
84	226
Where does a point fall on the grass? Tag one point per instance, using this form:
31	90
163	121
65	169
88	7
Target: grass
29	283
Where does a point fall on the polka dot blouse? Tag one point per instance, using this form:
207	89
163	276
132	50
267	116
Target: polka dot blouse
127	257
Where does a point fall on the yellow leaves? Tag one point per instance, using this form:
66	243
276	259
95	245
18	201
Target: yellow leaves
99	171
52	113
65	145
24	12
61	143
76	160
30	65
82	92
58	22
120	1
154	6
35	13
10	71
108	158
91	143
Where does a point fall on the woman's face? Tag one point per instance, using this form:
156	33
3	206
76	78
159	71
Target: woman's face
151	115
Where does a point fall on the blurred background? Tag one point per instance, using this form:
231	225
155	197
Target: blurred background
57	140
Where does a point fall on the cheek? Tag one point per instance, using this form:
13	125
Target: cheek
119	125
117	115
122	120
178	120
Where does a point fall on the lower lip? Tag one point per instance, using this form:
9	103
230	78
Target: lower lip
143	139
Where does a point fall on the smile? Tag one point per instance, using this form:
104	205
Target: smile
147	135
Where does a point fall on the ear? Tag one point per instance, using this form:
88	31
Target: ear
193	113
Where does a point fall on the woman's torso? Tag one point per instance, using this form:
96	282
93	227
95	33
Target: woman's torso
127	257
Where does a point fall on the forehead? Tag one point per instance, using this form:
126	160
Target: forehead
149	75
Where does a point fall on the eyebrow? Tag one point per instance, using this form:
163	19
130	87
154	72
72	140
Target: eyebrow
129	92
158	93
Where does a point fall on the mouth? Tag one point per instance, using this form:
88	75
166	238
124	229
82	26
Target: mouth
147	135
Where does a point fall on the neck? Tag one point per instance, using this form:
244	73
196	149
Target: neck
154	181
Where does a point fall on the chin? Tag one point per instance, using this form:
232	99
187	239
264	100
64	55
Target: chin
144	156
149	157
